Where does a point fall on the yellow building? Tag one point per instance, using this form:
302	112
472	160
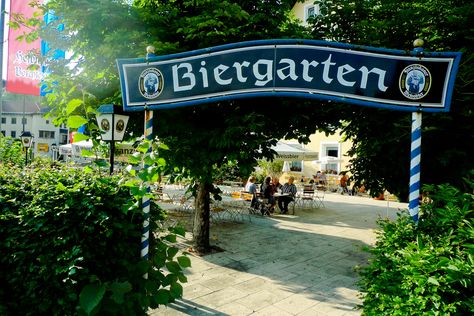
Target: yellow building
304	10
332	149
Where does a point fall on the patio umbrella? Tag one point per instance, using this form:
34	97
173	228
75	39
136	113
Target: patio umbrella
77	147
293	152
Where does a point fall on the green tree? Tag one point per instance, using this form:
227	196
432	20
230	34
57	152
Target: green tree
200	138
382	138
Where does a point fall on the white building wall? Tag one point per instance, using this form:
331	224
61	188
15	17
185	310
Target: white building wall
41	128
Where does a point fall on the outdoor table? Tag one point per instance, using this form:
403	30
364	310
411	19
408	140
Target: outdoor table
277	195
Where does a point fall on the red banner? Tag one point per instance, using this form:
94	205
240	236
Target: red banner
23	64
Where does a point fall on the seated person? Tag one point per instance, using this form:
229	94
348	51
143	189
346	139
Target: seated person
283	201
250	187
267	190
276	184
322	178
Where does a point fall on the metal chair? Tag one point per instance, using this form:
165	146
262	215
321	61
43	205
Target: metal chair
308	196
319	194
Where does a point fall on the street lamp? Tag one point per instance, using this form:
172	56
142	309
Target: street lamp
54	149
26	141
112	123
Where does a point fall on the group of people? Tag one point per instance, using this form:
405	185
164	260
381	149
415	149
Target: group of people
319	178
269	187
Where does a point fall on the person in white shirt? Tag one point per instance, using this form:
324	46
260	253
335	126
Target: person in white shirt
290	189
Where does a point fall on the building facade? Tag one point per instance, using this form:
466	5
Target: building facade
332	149
17	117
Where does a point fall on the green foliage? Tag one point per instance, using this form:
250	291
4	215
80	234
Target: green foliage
70	243
228	172
428	269
381	138
268	168
11	151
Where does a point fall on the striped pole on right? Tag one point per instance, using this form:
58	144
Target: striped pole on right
415	168
415	152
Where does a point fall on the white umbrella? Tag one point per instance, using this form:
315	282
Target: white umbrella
293	152
77	147
65	149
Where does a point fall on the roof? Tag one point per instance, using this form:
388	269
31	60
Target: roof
13	107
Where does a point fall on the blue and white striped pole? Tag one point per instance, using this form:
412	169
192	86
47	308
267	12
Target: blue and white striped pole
415	152
146	200
415	165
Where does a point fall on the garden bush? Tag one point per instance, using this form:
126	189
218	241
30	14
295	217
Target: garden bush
11	151
424	269
70	244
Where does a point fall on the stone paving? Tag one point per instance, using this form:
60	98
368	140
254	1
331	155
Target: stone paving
300	264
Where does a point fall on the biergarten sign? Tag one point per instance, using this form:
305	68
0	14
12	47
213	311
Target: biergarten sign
360	75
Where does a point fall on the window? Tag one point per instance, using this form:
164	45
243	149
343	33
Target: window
4	120
310	11
3	132
24	120
63	139
46	134
47	122
13	120
13	134
296	166
330	151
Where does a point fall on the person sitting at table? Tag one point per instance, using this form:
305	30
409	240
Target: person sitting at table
251	188
322	178
290	189
276	184
267	190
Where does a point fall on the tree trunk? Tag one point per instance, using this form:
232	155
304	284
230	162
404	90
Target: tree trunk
201	219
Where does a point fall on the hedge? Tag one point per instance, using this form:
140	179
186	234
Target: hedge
428	268
70	244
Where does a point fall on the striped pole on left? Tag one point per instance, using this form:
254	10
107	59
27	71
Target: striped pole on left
146	199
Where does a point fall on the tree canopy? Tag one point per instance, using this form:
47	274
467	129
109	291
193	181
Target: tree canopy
381	138
200	137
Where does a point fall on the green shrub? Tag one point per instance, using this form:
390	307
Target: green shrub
70	245
11	151
428	269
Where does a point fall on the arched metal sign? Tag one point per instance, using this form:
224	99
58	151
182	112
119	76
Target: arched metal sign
360	75
400	80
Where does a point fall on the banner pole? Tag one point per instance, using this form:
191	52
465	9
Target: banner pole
415	165
415	151
148	133
146	199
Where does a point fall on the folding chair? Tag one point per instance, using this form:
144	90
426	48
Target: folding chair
319	195
308	196
260	205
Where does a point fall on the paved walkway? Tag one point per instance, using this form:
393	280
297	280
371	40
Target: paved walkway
285	265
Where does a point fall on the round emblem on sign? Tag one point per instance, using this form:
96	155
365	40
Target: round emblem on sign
105	124
120	125
415	81
150	83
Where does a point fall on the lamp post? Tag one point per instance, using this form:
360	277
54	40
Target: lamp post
112	123
26	141
54	149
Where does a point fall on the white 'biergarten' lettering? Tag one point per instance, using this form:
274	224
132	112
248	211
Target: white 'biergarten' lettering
184	78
